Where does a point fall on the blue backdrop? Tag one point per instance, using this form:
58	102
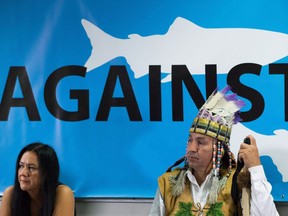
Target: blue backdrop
121	139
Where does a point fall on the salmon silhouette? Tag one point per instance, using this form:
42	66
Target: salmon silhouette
187	44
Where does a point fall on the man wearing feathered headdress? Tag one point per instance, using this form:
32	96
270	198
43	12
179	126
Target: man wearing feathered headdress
210	183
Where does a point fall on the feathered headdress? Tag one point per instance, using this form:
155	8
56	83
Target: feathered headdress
218	114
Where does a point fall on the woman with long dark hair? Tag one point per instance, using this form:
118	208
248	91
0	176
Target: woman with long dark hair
36	190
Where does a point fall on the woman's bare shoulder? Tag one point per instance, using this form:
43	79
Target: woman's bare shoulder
64	203
8	191
64	190
5	208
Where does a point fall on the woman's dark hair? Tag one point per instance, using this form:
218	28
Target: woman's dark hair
48	174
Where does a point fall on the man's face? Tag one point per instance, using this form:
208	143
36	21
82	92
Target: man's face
199	151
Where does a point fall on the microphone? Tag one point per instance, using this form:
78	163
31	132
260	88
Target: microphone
234	190
247	141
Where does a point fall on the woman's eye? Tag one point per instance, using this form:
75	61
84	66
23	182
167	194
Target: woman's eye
31	169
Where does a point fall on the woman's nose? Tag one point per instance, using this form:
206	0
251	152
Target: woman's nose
24	171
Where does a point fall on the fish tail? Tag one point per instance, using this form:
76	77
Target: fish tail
103	46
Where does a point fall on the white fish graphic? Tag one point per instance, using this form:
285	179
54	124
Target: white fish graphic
268	145
187	44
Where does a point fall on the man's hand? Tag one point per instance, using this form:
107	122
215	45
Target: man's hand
249	153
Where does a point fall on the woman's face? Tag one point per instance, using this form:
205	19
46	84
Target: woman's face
28	172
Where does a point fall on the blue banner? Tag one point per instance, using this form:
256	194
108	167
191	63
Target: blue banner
114	86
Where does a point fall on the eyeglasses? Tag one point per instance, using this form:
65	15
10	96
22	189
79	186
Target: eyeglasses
31	167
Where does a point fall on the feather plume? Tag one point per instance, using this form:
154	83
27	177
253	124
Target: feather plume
222	108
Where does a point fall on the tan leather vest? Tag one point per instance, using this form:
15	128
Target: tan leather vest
172	203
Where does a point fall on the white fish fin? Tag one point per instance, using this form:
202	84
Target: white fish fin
104	46
133	36
180	24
